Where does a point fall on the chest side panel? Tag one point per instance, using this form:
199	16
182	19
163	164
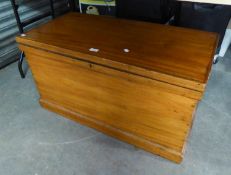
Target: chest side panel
151	110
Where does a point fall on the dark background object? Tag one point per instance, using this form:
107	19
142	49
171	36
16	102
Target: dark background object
145	10
208	17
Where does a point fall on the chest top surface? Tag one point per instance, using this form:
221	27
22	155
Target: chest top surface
180	52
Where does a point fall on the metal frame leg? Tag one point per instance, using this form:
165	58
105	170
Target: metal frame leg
224	46
20	27
15	9
225	43
23	24
20	61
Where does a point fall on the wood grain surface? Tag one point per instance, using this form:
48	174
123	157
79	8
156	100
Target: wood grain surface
153	113
180	52
146	97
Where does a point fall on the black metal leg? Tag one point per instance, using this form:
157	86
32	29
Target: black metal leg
15	9
21	26
20	61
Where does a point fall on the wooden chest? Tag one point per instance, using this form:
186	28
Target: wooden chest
139	82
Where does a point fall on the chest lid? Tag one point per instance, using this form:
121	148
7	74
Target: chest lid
171	54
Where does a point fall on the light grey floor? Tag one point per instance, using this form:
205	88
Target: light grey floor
34	141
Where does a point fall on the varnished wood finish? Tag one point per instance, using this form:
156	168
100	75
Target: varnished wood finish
118	93
140	108
170	50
